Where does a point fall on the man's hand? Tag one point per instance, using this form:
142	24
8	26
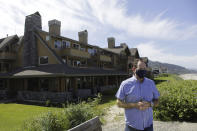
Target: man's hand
143	105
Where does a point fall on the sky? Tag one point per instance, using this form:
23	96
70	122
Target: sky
162	30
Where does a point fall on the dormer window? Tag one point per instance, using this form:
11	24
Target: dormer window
47	38
57	44
76	46
65	44
43	60
82	49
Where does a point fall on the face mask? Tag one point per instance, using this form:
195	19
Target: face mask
141	73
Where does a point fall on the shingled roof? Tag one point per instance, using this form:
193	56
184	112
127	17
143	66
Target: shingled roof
54	70
7	40
145	59
134	52
117	49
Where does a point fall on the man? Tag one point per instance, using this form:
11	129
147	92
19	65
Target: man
137	95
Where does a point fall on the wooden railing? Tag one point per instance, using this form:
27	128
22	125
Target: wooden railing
90	125
7	55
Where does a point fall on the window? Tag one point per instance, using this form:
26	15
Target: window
76	46
82	49
92	51
83	62
47	38
43	60
65	44
69	62
2	85
64	60
6	67
76	63
57	44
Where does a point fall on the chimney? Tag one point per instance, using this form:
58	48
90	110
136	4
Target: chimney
111	42
123	45
83	36
33	22
54	27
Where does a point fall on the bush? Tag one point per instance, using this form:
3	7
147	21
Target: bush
71	116
177	101
50	121
79	113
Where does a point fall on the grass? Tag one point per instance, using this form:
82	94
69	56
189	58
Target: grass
13	115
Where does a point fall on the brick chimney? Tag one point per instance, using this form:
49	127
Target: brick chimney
54	27
111	42
83	36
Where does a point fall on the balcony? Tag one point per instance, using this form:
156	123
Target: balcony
105	58
74	52
7	56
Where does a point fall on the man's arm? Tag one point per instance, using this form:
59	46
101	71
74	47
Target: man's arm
139	105
148	104
122	104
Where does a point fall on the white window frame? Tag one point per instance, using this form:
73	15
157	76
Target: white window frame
47	37
60	44
83	49
46	63
77	45
68	44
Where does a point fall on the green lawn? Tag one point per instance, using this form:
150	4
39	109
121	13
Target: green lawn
13	115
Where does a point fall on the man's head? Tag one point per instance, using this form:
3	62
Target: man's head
140	71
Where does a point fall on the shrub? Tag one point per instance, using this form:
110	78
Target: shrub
50	121
71	116
177	101
79	113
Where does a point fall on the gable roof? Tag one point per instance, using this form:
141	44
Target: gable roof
50	50
134	52
7	40
145	59
117	49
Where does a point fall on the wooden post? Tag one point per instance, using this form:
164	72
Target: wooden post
57	84
25	84
39	84
66	88
117	82
62	84
74	86
8	84
106	81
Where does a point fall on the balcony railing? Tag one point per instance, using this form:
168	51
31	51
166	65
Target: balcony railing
7	55
105	58
73	52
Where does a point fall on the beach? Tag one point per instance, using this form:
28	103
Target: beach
189	76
